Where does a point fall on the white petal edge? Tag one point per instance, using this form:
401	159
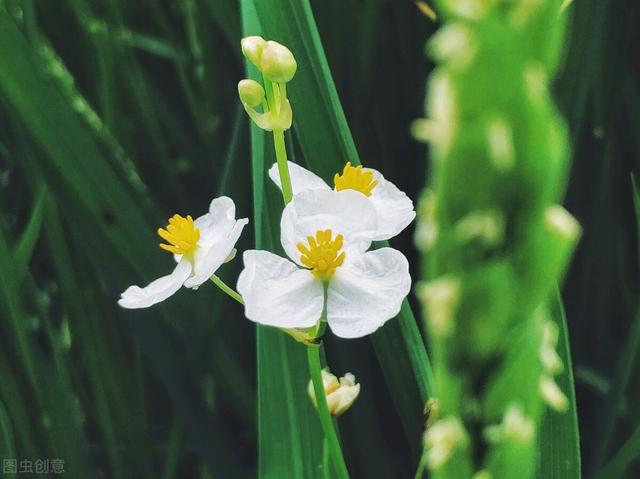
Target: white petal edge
301	178
346	212
367	292
207	260
278	293
218	222
395	209
156	291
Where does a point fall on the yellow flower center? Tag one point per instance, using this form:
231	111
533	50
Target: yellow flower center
181	234
321	254
355	179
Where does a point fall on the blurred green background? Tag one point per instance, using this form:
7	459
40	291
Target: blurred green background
114	115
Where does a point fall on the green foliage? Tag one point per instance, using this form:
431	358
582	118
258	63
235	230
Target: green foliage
115	115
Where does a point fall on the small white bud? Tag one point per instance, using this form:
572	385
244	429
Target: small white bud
552	394
340	393
250	92
549	358
469	9
484	474
441	300
441	110
442	439
500	142
515	426
426	231
453	44
487	226
559	220
252	48
550	333
278	63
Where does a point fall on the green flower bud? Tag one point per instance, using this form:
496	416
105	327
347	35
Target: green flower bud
277	63
252	48
251	92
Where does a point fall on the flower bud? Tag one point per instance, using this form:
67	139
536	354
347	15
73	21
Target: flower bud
442	439
277	62
552	394
515	426
340	394
440	298
251	92
252	48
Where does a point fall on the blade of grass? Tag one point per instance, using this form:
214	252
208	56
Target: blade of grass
54	402
618	466
630	353
104	221
24	249
559	437
7	446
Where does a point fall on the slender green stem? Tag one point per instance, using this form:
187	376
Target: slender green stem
326	471
335	451
227	289
283	168
268	90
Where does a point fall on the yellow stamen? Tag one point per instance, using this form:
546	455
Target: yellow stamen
355	178
321	254
181	234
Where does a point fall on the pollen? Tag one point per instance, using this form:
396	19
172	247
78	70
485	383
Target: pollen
322	253
355	178
181	234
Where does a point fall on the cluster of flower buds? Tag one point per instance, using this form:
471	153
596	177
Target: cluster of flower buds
278	66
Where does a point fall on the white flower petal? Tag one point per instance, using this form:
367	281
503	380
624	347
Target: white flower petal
218	222
158	290
301	178
277	293
207	260
366	292
347	212
394	207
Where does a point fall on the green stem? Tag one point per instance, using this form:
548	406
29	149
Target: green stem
268	90
335	451
283	168
227	289
326	472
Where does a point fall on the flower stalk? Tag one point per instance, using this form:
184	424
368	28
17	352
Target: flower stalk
283	169
278	66
494	238
331	437
225	288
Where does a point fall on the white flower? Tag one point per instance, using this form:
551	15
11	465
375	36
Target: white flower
394	208
340	393
326	234
200	247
